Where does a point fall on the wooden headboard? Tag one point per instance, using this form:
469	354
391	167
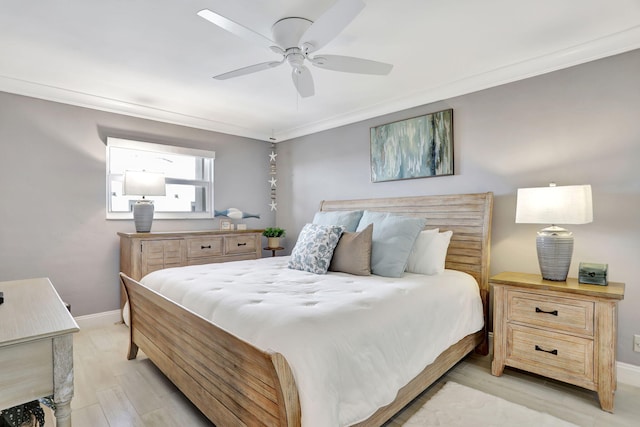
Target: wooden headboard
467	215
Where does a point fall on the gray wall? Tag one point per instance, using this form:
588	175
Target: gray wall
52	212
575	126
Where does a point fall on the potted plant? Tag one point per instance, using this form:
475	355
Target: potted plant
273	235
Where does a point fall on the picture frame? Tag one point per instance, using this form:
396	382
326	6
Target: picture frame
418	147
226	224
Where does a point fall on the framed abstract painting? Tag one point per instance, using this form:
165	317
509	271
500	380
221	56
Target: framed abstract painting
419	147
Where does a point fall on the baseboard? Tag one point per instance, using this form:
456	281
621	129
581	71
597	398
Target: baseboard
628	374
98	320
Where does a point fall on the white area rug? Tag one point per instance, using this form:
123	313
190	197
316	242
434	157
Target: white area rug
458	406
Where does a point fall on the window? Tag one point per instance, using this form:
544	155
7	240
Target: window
188	176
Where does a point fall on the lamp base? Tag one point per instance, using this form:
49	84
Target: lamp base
555	248
143	215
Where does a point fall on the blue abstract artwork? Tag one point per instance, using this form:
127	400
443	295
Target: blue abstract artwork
419	147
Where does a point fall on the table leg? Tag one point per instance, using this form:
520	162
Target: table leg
606	349
63	414
63	378
499	332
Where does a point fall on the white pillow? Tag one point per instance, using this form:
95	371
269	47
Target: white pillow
429	252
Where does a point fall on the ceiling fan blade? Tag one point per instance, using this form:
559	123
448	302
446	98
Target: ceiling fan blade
303	81
349	64
331	23
235	28
248	70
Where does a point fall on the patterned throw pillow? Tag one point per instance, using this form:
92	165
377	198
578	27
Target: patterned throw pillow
314	248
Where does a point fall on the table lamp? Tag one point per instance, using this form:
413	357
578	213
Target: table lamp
570	204
143	184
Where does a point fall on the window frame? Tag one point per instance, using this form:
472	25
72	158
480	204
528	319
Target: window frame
208	183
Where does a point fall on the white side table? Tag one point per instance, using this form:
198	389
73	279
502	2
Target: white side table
36	346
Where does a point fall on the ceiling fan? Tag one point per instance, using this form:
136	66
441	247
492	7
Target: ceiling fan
295	39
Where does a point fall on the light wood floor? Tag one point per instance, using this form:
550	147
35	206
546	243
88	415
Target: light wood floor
111	391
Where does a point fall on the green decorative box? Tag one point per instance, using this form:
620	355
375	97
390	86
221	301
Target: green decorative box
593	274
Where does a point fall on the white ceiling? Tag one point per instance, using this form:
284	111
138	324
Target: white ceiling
156	58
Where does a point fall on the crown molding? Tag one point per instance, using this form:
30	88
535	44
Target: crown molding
111	105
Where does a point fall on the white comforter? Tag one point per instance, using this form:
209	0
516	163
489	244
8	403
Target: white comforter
352	342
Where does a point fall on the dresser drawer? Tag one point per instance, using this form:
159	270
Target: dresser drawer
160	251
557	355
204	247
558	313
160	254
239	244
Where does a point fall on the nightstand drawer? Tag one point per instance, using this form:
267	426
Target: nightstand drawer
239	244
552	354
558	313
204	247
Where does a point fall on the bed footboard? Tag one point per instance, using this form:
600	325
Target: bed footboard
228	379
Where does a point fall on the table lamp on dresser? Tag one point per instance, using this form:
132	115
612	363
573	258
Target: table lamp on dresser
143	184
570	204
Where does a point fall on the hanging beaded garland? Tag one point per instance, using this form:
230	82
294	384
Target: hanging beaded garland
273	181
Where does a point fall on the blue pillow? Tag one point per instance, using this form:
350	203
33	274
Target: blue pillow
349	219
393	239
314	249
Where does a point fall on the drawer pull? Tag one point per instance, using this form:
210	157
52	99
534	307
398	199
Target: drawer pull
554	352
205	247
554	312
242	244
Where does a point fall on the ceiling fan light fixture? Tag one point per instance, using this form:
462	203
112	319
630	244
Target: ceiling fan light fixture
295	58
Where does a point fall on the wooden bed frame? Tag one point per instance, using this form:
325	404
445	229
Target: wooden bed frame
235	383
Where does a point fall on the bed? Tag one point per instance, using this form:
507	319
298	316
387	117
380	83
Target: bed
234	382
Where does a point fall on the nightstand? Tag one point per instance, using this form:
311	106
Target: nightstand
561	330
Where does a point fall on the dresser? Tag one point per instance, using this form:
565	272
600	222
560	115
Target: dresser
36	346
561	330
142	253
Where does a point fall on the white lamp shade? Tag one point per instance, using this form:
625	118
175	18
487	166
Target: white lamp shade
569	204
144	184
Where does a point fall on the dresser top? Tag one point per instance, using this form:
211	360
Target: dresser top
614	290
165	234
32	310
